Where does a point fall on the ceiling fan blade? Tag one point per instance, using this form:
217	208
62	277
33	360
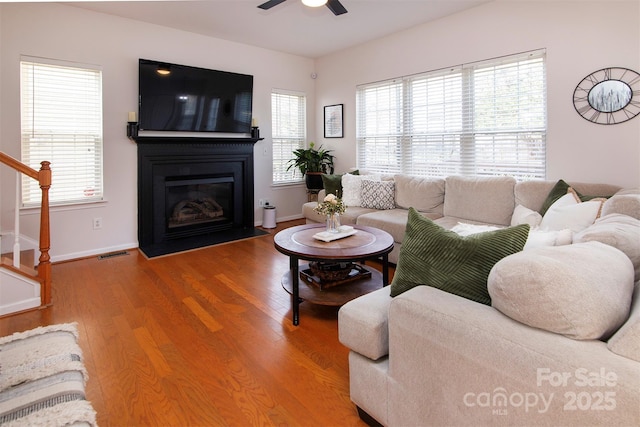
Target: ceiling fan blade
270	4
336	7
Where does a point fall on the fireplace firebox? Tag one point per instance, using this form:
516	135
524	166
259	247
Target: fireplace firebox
194	193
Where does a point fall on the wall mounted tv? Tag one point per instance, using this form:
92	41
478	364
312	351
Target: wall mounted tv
180	98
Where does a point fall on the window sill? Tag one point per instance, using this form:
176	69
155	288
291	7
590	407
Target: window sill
34	210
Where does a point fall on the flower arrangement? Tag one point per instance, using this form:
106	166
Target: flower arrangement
330	205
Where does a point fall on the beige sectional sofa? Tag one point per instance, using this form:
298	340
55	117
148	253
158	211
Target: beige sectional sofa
559	345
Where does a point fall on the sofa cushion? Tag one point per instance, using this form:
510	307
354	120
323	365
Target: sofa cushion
617	230
624	202
626	342
350	216
393	221
485	199
433	256
378	195
352	188
582	291
423	194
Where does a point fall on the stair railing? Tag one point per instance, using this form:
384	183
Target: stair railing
43	176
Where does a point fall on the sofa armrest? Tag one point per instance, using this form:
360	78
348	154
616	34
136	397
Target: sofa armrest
447	354
362	324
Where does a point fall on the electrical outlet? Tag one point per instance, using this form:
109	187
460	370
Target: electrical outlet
264	202
97	223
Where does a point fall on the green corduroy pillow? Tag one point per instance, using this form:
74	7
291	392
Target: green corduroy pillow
433	256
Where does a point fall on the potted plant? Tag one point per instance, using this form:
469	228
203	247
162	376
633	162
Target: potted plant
312	163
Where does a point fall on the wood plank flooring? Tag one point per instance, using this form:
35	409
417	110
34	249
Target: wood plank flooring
202	338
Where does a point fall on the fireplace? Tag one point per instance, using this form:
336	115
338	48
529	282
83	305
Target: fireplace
194	193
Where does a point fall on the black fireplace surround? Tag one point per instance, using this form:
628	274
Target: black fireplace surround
194	192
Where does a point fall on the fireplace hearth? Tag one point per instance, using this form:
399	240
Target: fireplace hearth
194	192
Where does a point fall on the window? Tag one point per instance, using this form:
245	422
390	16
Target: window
61	105
289	127
486	118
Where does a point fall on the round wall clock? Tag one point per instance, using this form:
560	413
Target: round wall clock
608	96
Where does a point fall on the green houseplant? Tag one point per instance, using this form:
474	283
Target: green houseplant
312	162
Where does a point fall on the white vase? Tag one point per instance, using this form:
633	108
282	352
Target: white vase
333	223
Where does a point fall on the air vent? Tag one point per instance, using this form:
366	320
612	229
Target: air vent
112	254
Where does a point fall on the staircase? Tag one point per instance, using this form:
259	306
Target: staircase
23	284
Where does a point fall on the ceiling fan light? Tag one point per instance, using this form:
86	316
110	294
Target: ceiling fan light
314	3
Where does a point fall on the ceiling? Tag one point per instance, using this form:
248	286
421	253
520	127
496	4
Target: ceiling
289	27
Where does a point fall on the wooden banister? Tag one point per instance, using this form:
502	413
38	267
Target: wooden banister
18	165
43	176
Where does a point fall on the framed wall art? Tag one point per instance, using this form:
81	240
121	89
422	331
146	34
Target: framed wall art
334	121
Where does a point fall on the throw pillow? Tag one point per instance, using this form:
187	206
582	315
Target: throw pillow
582	291
433	256
558	190
524	215
378	194
332	183
352	188
569	212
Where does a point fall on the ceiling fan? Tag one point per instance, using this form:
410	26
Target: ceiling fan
334	5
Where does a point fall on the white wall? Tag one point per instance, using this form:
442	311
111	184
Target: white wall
580	37
69	33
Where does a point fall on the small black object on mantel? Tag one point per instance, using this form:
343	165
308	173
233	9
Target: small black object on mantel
132	130
255	132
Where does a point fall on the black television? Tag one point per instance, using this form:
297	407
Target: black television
181	98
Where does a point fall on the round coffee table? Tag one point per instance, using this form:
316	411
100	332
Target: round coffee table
298	243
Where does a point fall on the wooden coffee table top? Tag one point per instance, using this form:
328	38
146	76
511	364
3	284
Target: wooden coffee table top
298	241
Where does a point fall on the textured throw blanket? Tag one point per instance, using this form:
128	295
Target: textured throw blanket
42	378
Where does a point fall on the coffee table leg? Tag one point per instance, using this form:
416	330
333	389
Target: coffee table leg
295	297
385	270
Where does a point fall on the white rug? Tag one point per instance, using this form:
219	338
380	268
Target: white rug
42	378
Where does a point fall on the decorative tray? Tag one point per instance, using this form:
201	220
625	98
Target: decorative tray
343	231
357	272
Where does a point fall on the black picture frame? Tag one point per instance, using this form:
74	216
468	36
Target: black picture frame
334	121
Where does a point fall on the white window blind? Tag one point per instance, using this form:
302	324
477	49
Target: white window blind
486	118
61	106
289	128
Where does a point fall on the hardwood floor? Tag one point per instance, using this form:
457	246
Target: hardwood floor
201	338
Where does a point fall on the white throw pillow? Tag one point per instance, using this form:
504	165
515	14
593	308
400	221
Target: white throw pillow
524	215
352	188
567	212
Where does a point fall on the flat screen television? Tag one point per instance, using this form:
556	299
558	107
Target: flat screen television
180	98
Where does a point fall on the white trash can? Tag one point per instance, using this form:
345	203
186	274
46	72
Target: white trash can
269	217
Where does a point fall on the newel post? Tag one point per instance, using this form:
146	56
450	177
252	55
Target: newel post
44	266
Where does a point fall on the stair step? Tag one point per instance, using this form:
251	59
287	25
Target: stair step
27	260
